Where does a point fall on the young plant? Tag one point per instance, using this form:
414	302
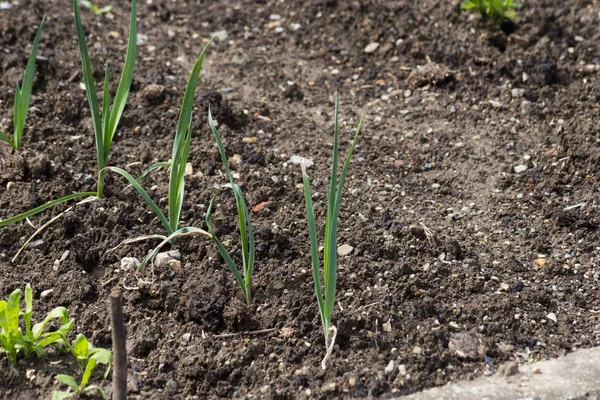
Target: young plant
99	356
179	156
246	235
105	123
496	10
16	344
326	291
23	96
94	8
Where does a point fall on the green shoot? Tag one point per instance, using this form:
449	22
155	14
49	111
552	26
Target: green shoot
105	123
16	344
100	356
496	10
94	8
246	235
326	291
181	147
23	96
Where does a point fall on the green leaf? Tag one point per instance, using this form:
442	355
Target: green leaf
58	395
97	389
25	92
12	311
43	207
148	170
28	309
184	123
89	369
104	10
67	380
103	356
186	231
81	346
124	83
58	313
6	139
161	217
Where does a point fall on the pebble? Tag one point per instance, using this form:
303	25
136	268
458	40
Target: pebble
36	244
344	250
402	369
46	293
387	327
301	160
520	168
189	169
517	92
467	345
186	337
142	39
221	36
417	350
250	140
5	5
152	93
162	259
371	47
352	381
129	263
552	317
390	367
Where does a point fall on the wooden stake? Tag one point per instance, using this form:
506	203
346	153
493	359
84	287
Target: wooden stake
119	377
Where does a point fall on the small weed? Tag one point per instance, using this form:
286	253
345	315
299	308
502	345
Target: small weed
34	341
495	10
94	8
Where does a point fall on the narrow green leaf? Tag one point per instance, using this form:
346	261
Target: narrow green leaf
12	311
145	196
90	88
3	317
314	242
124	82
186	231
222	250
89	369
184	122
105	109
28	309
104	10
43	207
17	116
25	95
148	170
6	139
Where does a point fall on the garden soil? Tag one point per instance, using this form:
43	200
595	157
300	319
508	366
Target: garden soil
471	206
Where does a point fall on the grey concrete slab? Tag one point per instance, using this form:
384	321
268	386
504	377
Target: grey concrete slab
573	377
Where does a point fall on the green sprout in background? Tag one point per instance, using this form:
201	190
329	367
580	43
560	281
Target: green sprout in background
325	291
95	8
495	10
246	235
105	123
23	96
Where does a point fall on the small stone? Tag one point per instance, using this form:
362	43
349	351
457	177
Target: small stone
329	387
221	36
520	168
235	159
387	327
250	140
552	317
129	263
467	345
5	5
371	47
454	325
417	350
175	265
30	374
390	367
402	369
504	286
162	259
344	250
517	92
189	169
36	244
46	293
301	160
540	262
172	386
142	39
352	381
186	337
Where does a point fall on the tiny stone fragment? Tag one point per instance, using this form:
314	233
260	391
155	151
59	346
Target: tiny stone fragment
301	160
467	345
36	244
552	317
344	250
162	259
520	168
371	47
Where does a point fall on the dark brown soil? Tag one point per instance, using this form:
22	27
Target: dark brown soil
447	123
